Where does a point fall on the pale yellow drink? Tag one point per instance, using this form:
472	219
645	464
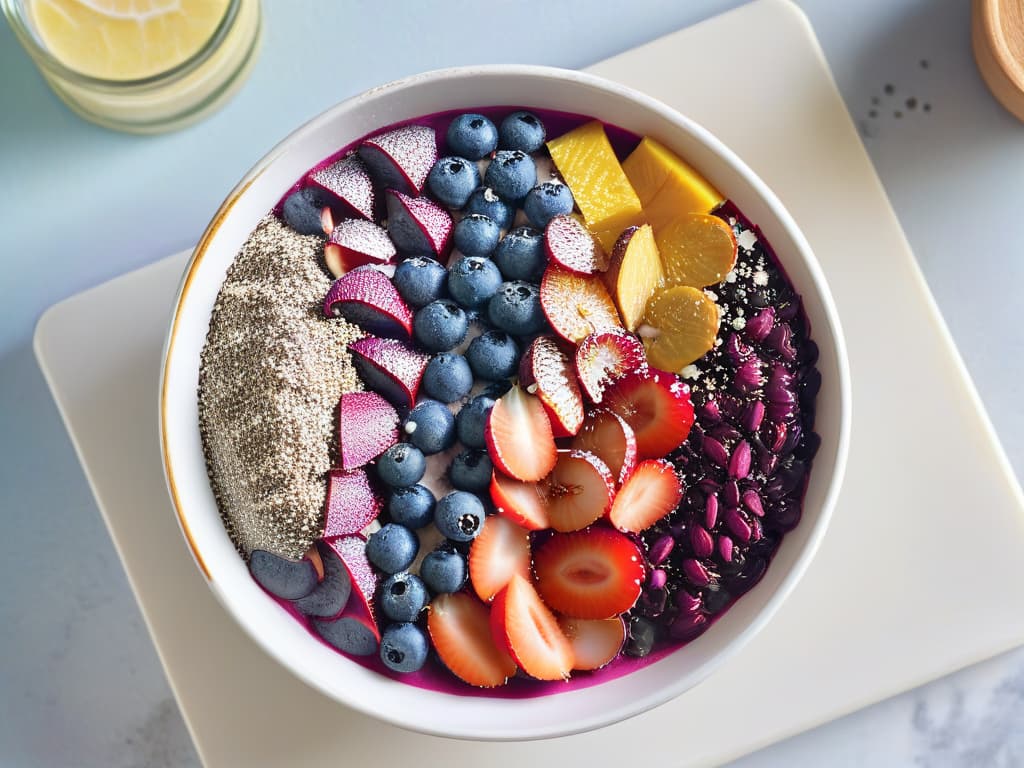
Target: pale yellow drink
140	65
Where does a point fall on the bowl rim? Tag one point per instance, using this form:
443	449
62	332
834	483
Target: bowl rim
804	556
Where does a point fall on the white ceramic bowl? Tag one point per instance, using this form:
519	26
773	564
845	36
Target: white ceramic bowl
477	717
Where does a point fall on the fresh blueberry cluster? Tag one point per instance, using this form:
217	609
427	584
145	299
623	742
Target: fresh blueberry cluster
475	317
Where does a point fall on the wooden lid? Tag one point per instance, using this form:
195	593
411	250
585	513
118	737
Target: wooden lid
997	32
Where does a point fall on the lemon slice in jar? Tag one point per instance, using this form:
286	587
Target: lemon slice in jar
125	39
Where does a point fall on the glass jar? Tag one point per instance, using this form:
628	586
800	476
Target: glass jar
166	100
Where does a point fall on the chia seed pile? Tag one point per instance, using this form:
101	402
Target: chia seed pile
270	376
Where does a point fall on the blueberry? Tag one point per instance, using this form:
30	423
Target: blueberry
496	389
640	637
472	420
516	308
511	174
520	255
471	471
440	326
523	131
430	427
412	506
301	211
547	200
444	570
402	596
392	548
403	648
452	180
447	377
420	280
460	516
472	136
402	464
472	280
476	235
493	355
486	202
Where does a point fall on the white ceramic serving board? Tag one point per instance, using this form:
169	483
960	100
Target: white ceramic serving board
918	575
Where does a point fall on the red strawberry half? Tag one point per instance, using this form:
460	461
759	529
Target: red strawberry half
569	244
656	404
602	358
525	504
351	503
651	492
417	225
531	631
596	573
607	435
460	631
348	182
367	426
579	490
546	371
519	437
594	642
390	367
367	298
401	158
356	243
501	550
576	305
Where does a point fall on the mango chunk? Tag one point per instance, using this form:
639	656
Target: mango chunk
588	164
666	185
696	249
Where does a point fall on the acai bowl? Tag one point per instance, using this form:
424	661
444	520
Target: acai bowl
659	392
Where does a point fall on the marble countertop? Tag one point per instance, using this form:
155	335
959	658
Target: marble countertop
80	684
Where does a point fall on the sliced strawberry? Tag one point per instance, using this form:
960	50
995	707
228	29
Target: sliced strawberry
580	490
603	358
501	550
569	244
596	573
460	630
594	642
651	492
367	426
351	504
656	404
534	638
525	504
607	435
545	370
519	437
576	305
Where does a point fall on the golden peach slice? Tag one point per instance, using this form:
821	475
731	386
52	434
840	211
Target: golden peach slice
588	164
667	185
635	273
696	249
681	326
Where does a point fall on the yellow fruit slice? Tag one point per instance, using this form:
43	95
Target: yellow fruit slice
125	39
696	249
588	164
683	324
667	185
635	273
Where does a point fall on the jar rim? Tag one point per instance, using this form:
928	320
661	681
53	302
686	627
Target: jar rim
14	11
